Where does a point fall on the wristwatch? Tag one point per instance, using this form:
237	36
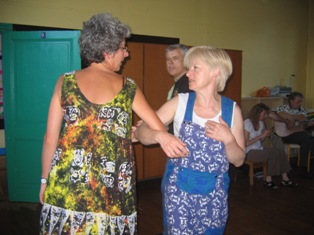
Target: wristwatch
43	180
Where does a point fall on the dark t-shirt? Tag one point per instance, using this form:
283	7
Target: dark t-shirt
181	86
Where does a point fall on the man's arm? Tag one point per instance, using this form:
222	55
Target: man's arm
277	118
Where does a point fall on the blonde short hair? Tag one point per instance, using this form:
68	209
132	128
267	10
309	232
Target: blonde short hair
214	58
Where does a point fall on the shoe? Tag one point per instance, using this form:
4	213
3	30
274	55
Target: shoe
270	185
289	183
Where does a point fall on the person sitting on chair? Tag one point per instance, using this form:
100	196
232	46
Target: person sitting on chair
255	132
291	125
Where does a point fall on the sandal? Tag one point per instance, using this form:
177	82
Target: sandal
289	183
270	185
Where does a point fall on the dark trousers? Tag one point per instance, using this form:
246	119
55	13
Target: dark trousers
305	140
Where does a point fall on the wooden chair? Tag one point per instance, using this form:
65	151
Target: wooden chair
255	165
289	147
296	146
309	158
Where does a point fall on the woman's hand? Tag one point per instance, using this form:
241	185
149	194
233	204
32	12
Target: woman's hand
41	193
133	130
266	133
171	145
219	131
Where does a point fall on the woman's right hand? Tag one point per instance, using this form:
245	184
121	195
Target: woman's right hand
266	133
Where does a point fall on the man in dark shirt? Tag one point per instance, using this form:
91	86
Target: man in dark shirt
174	62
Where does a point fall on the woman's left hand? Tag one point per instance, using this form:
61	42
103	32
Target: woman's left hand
133	129
41	193
219	131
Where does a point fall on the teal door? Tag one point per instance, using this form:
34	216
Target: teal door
32	62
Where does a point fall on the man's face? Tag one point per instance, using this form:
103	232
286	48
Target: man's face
296	103
174	63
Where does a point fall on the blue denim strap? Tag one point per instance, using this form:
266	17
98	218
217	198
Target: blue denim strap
227	109
189	107
226	106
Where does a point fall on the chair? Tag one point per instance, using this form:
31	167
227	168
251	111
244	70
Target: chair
255	165
296	146
289	147
309	158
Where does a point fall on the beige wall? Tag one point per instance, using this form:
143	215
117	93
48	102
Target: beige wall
274	35
309	94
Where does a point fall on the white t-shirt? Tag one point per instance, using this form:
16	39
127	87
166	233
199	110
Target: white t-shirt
178	118
248	126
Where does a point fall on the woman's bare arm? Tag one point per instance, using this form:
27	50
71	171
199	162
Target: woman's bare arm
51	136
148	133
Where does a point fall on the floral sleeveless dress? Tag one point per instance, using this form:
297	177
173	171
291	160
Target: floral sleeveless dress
91	185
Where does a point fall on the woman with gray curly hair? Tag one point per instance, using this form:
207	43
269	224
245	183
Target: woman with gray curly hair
88	167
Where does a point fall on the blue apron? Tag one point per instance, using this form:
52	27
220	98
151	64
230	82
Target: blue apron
195	188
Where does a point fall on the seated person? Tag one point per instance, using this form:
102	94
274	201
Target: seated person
291	125
255	132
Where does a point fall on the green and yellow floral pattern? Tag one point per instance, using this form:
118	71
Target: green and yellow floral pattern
91	185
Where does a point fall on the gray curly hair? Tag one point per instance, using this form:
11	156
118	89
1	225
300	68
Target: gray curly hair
101	33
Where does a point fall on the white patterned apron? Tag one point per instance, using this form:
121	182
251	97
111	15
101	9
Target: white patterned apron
195	188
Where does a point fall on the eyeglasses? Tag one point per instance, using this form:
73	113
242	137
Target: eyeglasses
125	49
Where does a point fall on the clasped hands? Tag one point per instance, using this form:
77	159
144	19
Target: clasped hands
170	144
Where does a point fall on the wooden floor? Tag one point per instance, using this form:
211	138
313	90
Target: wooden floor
253	210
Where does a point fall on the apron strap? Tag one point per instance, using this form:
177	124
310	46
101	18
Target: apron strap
189	107
226	106
227	110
